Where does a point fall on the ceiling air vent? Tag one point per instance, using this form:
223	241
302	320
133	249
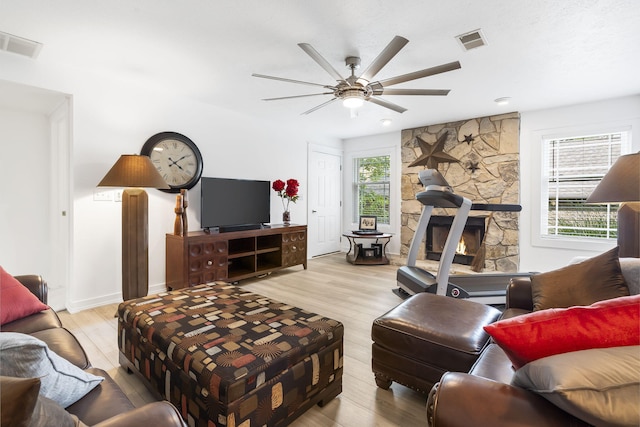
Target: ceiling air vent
19	45
471	40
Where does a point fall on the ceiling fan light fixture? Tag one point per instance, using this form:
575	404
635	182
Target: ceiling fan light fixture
352	98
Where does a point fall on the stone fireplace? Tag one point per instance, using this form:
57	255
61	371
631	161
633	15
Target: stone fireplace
485	169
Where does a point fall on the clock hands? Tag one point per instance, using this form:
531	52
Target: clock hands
175	162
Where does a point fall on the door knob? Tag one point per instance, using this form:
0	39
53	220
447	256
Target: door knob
314	211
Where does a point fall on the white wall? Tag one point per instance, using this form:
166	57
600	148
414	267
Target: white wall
369	146
112	117
534	124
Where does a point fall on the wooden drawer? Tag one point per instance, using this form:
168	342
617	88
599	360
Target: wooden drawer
294	248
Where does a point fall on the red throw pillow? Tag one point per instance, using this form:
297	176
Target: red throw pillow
609	323
16	301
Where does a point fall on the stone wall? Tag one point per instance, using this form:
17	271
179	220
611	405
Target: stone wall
487	171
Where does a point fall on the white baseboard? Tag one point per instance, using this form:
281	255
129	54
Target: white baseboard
86	304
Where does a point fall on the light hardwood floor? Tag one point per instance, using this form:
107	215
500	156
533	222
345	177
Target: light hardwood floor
354	295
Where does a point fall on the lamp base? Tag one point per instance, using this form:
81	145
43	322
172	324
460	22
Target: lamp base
135	243
629	230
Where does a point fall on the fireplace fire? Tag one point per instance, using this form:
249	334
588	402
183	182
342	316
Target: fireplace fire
469	244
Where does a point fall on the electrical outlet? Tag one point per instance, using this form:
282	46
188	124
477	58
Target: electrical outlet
118	195
102	196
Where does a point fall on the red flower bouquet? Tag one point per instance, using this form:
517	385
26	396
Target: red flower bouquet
287	191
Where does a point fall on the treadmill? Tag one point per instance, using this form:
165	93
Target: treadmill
487	288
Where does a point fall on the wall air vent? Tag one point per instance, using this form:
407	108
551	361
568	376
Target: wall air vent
471	40
19	45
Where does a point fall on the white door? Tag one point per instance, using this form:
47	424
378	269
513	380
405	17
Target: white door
60	205
325	209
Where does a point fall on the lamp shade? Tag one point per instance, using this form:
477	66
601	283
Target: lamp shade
621	183
132	170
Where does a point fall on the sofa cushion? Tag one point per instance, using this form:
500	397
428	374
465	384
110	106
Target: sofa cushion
103	402
46	319
18	397
599	386
64	344
28	357
584	283
529	337
493	364
16	301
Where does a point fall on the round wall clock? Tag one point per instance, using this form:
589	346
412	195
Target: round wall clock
177	159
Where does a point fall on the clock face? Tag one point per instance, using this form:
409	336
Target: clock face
176	158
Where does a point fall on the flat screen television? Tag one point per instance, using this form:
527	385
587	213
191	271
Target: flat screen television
234	204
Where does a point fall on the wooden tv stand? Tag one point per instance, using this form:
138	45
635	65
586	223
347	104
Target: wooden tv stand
202	257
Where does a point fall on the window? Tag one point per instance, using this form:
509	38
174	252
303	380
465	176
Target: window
371	187
572	168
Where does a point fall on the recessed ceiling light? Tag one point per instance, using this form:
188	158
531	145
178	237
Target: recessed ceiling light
385	122
502	101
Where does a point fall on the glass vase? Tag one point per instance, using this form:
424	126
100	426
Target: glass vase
286	217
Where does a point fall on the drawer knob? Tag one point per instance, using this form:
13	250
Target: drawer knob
209	262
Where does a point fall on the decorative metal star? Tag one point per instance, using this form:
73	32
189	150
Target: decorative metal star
468	139
433	155
473	166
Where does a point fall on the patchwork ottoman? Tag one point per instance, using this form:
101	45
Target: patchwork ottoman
227	357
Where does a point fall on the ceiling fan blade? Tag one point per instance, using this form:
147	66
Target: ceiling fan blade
321	61
297	96
387	104
317	107
420	74
428	92
385	56
262	76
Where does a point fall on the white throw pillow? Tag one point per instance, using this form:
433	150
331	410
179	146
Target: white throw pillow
600	386
24	356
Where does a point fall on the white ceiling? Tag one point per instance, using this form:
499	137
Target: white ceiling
541	53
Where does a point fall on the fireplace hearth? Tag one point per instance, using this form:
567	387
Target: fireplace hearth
470	241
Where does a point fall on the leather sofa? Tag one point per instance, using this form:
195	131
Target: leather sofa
484	396
104	406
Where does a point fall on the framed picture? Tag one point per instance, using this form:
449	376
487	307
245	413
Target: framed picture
368	223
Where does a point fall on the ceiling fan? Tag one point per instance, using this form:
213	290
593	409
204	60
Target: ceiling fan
354	91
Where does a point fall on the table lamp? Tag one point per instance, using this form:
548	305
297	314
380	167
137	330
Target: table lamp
622	184
134	172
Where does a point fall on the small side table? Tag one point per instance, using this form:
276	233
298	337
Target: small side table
374	255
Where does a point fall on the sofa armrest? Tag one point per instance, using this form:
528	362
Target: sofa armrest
519	293
156	414
36	285
463	400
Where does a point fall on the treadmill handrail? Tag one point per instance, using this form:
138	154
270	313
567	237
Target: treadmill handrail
450	246
439	198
